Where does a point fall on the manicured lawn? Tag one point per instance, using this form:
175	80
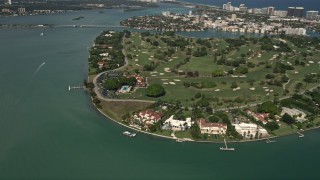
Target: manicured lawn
205	66
118	109
284	130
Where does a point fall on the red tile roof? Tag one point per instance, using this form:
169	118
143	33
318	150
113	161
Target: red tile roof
204	123
151	113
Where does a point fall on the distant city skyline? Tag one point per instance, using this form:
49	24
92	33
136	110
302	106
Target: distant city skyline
279	4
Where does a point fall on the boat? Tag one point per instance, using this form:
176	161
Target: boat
179	140
300	135
226	147
269	141
69	88
41	34
132	135
129	134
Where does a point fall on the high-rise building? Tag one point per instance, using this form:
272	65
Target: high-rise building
291	11
9	2
280	13
312	15
264	10
227	6
271	10
243	8
295	11
298	12
224	6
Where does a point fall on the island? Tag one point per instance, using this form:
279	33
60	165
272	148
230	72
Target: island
38	7
206	90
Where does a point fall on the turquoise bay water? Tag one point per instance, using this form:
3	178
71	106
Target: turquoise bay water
47	132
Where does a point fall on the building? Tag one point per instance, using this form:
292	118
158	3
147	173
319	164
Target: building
147	117
259	116
150	1
166	13
297	114
280	13
298	12
233	17
21	10
101	64
295	12
177	125
250	131
212	128
9	2
264	10
312	15
228	6
243	8
256	10
295	31
140	80
5	10
290	11
270	10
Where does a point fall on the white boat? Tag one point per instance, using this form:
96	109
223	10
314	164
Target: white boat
300	135
179	140
129	134
41	34
226	147
269	141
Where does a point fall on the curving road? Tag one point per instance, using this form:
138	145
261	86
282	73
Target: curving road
101	97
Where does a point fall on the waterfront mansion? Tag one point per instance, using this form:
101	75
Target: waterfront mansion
250	130
212	128
177	125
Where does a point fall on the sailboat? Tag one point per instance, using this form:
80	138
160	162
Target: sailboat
226	147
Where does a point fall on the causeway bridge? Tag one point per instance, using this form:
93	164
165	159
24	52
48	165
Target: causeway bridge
85	26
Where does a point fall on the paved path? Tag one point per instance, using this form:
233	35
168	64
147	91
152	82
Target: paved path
101	97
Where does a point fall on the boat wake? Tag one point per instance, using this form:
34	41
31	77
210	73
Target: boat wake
38	69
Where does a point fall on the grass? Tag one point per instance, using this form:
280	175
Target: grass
205	66
285	129
183	134
117	109
164	133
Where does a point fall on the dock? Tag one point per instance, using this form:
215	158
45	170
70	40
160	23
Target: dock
300	135
75	87
226	148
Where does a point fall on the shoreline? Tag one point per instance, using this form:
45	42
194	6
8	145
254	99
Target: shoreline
195	141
